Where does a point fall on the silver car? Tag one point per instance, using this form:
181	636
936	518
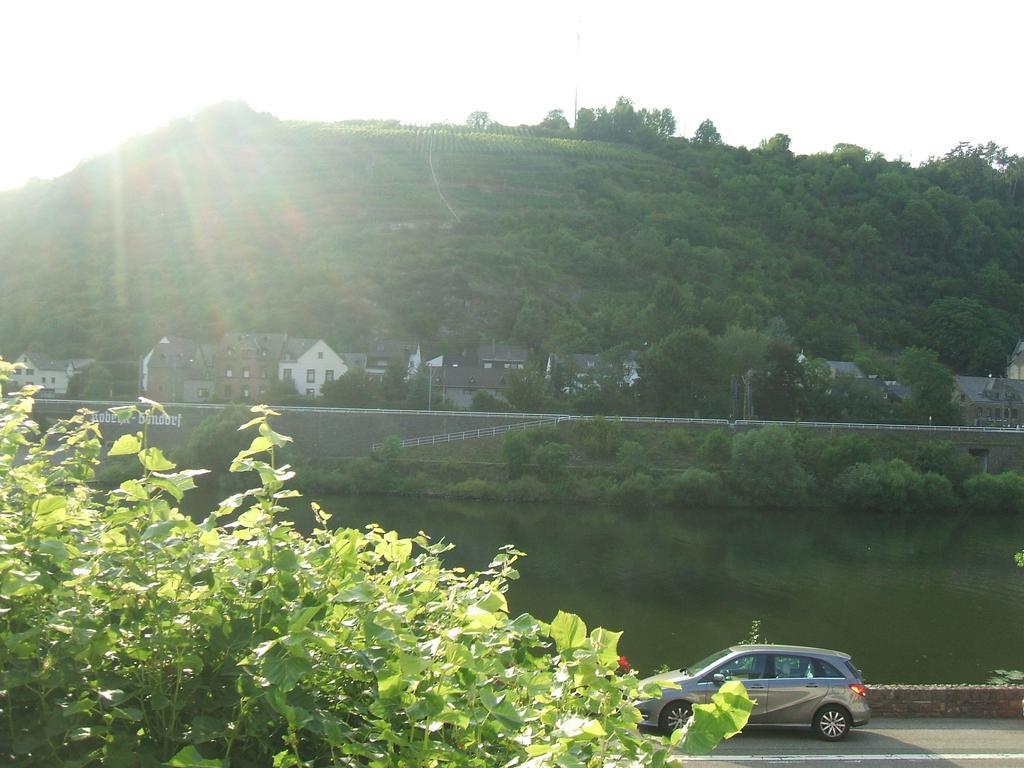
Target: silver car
791	685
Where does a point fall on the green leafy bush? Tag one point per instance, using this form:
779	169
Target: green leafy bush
632	457
635	490
599	437
766	468
551	460
892	486
474	488
695	487
518	452
134	636
716	448
1001	494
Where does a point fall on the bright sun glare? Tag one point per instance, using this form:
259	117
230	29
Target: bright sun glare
905	79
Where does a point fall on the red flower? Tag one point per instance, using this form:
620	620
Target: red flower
624	665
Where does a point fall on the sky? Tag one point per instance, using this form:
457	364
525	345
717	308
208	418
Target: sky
905	78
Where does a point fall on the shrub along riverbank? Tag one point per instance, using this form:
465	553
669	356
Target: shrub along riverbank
603	462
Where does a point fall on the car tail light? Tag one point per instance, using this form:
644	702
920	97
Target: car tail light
859	688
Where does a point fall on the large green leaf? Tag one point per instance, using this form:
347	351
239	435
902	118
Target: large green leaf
568	631
606	643
720	719
189	757
154	460
125	445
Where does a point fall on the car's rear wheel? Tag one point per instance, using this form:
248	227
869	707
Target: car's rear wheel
831	722
674	716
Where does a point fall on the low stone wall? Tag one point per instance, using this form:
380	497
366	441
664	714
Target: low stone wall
1002	701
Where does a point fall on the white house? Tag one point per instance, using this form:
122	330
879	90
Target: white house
389	354
49	373
309	364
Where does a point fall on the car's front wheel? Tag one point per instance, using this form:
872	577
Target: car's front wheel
674	716
831	722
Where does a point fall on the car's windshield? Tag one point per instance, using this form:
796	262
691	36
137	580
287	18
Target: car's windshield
692	668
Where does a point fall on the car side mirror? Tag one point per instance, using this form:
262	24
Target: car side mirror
718	678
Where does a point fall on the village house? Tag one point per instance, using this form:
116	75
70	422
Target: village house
246	364
459	384
501	356
52	374
987	401
386	355
240	367
178	370
308	364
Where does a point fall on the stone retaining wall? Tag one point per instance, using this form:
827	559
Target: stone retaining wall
1000	701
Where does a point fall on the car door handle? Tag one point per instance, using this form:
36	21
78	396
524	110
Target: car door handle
757	687
811	685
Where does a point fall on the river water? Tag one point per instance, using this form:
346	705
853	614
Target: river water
913	600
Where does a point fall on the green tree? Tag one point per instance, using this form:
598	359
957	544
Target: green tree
554	121
517	448
777	385
764	465
680	375
931	385
479	121
707	134
94	383
551	459
526	392
353	390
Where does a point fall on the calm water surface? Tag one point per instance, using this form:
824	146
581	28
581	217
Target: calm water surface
913	600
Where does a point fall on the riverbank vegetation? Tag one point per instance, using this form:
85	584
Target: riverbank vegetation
605	462
134	635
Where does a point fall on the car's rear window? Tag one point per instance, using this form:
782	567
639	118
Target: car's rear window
822	668
853	670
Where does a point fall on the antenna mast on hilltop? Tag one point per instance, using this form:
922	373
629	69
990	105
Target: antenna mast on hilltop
576	87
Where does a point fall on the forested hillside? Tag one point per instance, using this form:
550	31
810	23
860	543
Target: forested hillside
545	236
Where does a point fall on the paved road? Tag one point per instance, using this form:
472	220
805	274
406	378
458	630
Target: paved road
885	741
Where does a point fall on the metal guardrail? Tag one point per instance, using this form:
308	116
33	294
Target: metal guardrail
471	434
550	418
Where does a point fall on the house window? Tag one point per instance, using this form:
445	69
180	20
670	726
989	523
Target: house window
231	351
203	392
488	365
247	354
245	393
320	355
245	373
29	372
286	374
329	375
228	373
310	375
310	392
